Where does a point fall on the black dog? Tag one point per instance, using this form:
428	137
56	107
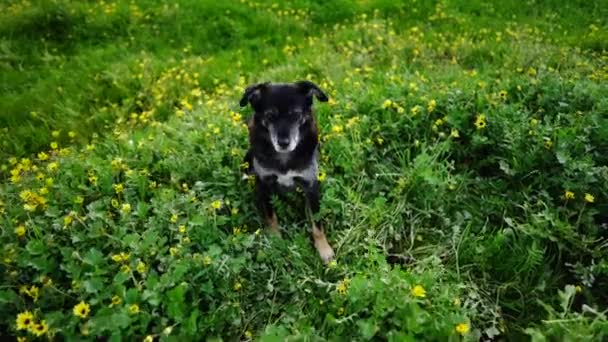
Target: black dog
284	152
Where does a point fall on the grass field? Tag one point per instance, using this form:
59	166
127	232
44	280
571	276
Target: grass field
463	165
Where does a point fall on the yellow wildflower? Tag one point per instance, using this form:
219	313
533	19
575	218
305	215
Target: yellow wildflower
236	117
387	104
24	320
40	328
342	286
33	292
120	257
431	106
52	166
118	188
116	300
43	156
149	338
568	194
462	328
126	208
418	291
237	286
20	231
54	145
415	110
82	309
134	308
207	260
480	121
68	219
216	204
322	176
141	267
589	198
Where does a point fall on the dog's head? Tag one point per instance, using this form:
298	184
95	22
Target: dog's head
282	110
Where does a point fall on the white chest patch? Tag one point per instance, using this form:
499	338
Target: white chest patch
287	179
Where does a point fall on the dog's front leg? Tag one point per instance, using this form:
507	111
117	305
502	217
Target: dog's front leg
263	197
313	195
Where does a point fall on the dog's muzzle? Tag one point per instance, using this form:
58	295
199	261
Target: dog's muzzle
285	143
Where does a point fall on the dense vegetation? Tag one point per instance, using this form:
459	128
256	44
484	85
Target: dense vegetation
464	171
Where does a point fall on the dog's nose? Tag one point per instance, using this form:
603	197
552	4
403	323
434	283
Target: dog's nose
283	142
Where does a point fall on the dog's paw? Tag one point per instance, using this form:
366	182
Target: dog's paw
274	231
325	251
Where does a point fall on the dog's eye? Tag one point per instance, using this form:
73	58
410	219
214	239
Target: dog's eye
271	116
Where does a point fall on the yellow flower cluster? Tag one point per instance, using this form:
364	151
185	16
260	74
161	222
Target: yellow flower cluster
32	200
26	321
342	286
569	195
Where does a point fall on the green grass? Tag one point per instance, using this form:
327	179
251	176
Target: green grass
121	133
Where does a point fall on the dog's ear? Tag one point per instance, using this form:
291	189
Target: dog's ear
253	93
310	89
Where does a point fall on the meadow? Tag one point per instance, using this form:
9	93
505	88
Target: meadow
464	169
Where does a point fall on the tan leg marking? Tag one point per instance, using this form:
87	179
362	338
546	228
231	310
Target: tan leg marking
273	224
325	251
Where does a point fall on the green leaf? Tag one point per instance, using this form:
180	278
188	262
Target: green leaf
190	325
151	297
35	247
109	320
275	334
93	285
367	328
176	304
132	296
42	263
121	277
8	296
93	257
